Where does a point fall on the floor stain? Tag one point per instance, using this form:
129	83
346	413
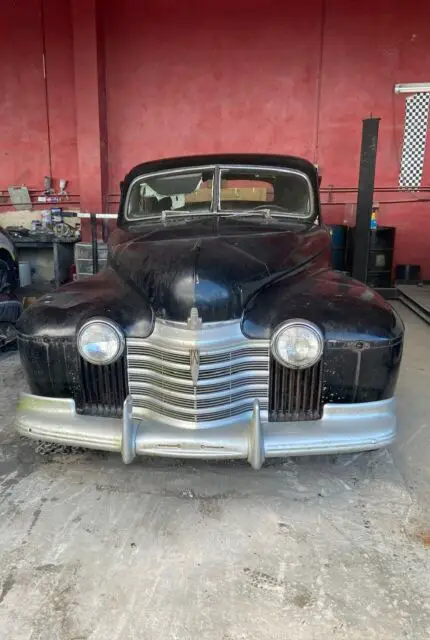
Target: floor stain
167	492
7	586
211	507
20	465
287	530
303	599
261	580
36	516
293	593
50	568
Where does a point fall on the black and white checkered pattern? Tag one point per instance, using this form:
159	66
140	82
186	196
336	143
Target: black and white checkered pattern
414	140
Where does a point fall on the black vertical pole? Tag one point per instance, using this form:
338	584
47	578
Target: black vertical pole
105	230
94	243
366	183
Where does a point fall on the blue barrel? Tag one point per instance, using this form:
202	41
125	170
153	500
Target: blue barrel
339	234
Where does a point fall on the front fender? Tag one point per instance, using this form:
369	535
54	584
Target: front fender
47	329
60	314
363	334
343	308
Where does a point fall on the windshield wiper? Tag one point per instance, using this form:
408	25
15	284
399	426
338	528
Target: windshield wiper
267	213
163	215
172	213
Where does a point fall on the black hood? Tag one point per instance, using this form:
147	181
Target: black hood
213	265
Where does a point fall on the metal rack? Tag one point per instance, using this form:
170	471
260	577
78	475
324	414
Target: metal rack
90	257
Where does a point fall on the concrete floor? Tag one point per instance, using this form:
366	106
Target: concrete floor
310	548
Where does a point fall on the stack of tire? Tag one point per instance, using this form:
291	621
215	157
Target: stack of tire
10	305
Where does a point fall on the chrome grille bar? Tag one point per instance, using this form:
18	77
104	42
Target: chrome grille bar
233	372
295	395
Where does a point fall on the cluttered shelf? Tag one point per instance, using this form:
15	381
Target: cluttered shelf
45	252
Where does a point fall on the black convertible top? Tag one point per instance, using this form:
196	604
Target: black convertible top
271	160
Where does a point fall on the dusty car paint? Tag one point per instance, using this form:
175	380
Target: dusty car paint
259	271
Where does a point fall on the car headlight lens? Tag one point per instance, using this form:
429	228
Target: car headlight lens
100	341
297	344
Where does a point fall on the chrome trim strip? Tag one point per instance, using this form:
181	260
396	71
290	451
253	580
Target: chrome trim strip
212	334
256	439
234	380
129	431
233	372
188	397
342	428
216	192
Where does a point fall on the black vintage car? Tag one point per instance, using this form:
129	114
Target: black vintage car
218	328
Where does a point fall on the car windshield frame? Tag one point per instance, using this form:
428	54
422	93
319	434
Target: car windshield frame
215	203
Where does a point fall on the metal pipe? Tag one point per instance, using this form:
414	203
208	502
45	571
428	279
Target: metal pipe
408	201
412	87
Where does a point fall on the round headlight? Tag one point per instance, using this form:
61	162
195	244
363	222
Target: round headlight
297	344
100	341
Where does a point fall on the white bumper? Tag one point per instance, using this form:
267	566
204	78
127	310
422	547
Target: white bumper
342	428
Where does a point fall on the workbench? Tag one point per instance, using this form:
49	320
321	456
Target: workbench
50	258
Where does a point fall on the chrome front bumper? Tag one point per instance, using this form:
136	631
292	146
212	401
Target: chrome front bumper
342	428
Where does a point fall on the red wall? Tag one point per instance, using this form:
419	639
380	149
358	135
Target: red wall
61	91
237	78
24	149
184	77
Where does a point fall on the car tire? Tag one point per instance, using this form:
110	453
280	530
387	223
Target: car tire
8	274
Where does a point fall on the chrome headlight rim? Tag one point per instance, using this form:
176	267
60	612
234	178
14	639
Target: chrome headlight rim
118	334
297	322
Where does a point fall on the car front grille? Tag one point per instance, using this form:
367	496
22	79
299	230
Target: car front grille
295	394
103	389
232	372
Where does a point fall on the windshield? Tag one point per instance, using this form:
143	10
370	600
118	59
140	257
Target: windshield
185	191
229	189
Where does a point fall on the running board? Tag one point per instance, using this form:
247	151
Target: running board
414	306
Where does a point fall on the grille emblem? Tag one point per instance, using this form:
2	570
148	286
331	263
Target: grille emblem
195	365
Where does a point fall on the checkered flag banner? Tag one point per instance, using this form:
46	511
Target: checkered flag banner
414	141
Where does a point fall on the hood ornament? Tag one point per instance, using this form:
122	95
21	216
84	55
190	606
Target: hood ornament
194	322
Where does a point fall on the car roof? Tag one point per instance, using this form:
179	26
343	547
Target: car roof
258	159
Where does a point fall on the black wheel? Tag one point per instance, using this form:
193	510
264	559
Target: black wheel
8	274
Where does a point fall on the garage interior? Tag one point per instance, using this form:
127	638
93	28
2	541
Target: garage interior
308	547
